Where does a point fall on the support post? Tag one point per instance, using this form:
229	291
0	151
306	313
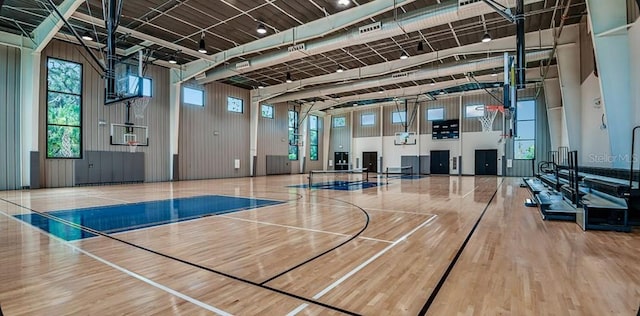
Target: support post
174	123
253	132
29	110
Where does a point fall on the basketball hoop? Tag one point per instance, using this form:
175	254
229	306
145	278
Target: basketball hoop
490	112
139	106
132	146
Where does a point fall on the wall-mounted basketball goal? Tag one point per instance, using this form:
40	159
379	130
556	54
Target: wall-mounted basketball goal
405	138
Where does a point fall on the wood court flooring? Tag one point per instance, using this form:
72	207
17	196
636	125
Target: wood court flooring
395	243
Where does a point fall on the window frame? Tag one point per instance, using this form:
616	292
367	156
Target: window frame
368	114
80	124
229	98
334	119
184	102
436	119
517	139
403	121
293	131
273	111
313	144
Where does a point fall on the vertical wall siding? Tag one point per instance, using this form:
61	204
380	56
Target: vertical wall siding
366	131
95	136
451	107
523	168
273	136
10	148
340	137
211	137
390	129
480	98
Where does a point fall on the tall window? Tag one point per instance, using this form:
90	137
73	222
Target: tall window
398	117
368	119
235	105
339	121
64	109
313	137
293	135
436	114
525	140
267	111
192	96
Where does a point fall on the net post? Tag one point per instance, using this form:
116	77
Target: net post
366	170
387	175
310	175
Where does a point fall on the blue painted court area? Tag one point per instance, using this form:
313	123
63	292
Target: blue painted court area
340	185
125	217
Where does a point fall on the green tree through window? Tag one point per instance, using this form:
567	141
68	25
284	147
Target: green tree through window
293	135
64	109
524	143
313	137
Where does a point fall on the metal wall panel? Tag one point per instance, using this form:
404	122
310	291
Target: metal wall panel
96	119
451	107
211	137
425	164
413	161
368	130
390	129
273	137
10	176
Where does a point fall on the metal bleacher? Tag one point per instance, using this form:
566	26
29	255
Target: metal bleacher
595	198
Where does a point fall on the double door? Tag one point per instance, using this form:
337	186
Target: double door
439	162
370	161
341	160
486	162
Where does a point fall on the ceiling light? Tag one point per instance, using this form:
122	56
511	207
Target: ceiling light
442	92
338	98
404	55
432	84
260	86
494	75
343	2
87	36
340	69
261	29
420	46
289	80
202	47
486	38
381	91
172	60
355	104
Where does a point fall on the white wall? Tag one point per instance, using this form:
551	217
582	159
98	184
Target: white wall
362	144
427	144
634	64
479	140
595	141
392	153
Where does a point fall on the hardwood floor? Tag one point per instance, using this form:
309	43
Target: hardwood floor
394	243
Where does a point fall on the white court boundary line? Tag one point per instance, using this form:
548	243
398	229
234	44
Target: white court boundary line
360	267
302	228
125	271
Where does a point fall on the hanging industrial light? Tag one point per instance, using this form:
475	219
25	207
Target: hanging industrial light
261	29
289	80
486	38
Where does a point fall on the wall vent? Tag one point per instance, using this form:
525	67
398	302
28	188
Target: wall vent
243	65
370	28
296	48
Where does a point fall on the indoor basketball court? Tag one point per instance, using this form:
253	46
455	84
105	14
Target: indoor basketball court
319	157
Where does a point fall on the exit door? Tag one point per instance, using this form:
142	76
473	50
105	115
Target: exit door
486	162
439	162
370	161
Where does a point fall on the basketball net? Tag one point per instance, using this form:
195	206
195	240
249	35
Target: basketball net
132	146
490	112
139	106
